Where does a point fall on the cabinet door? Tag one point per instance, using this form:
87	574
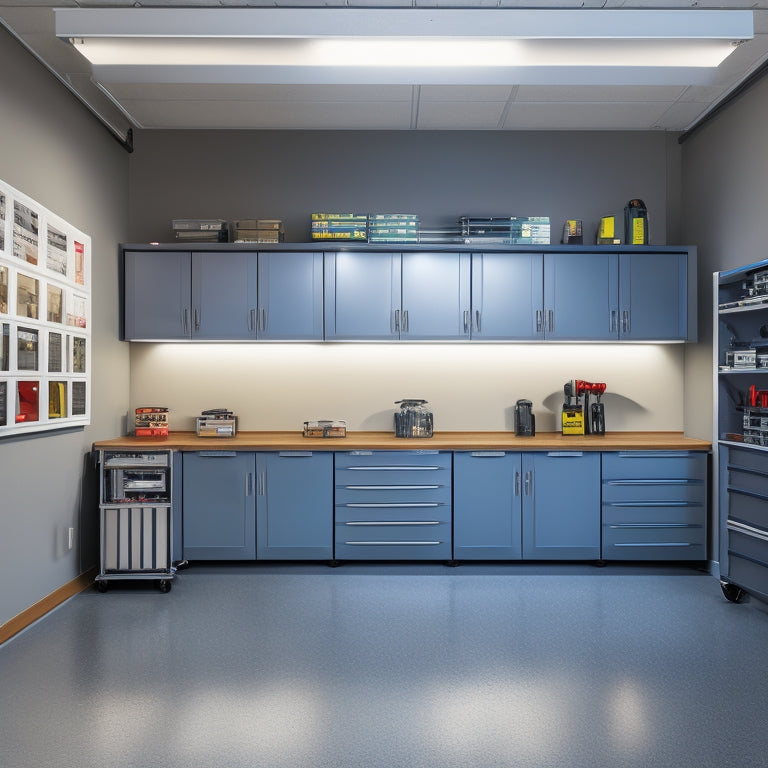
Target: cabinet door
362	296
486	506
581	296
561	505
291	296
219	505
157	296
224	296
294	505
507	296
435	296
653	293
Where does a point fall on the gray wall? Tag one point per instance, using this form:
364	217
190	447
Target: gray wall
438	175
724	204
54	151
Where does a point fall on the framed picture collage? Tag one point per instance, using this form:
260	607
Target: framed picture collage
45	318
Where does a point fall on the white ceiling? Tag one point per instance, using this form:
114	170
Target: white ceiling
387	107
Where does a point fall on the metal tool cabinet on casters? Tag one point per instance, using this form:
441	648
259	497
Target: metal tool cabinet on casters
135	517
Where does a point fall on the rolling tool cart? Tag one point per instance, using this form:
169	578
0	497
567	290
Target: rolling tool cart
135	517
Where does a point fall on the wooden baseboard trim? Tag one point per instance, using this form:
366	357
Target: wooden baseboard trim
48	603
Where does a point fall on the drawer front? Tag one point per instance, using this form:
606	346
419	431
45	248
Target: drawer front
407	513
653	542
655	514
385	461
747	480
748	542
651	465
748	508
671	490
748	574
748	459
431	494
390	540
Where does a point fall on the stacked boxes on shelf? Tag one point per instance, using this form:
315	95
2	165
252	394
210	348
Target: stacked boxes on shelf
512	230
340	226
201	230
258	231
393	228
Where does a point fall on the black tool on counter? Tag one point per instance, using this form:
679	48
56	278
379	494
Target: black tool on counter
525	419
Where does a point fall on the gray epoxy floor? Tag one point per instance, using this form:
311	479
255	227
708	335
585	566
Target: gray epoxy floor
396	666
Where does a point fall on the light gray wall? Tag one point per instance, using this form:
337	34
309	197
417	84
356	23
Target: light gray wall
54	151
725	205
438	175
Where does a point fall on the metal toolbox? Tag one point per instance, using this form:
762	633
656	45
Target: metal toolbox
212	427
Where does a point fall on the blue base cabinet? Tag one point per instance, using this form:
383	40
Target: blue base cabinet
654	505
294	505
219	505
487	510
561	505
393	505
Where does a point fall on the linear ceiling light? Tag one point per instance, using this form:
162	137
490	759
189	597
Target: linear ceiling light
284	45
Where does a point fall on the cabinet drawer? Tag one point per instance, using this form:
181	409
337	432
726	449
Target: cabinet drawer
430	494
385	540
406	513
748	458
387	461
652	514
748	481
653	491
748	508
653	542
652	465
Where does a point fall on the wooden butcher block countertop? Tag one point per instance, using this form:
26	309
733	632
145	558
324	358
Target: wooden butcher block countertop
445	441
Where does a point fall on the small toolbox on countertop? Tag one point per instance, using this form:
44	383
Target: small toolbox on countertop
217	422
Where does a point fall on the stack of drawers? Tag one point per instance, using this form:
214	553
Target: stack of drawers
393	505
654	505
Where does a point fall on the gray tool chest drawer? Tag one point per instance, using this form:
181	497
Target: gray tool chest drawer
747	522
654	505
393	505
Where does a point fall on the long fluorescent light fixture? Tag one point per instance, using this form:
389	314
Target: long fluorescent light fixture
348	45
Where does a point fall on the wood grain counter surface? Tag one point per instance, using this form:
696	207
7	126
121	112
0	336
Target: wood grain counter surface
447	441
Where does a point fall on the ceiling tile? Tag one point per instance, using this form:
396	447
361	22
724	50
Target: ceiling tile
270	115
460	115
465	92
598	93
592	117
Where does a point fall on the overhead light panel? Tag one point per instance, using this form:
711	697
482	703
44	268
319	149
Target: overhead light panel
326	45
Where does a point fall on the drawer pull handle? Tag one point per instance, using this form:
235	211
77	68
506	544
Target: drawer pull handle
642	504
392	487
653	454
401	468
747	530
669	481
390	543
386	505
488	454
625	526
565	454
294	454
393	522
655	544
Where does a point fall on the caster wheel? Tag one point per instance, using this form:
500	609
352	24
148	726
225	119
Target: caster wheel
600	563
102	586
164	585
732	593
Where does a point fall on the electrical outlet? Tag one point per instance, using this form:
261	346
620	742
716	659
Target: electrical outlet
70	537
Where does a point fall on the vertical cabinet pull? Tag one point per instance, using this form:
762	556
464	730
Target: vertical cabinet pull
405	321
248	483
197	319
528	483
252	320
466	321
625	324
477	320
551	321
185	320
517	482
612	322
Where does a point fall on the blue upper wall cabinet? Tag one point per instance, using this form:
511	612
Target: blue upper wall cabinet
223	296
507	296
227	293
652	296
418	296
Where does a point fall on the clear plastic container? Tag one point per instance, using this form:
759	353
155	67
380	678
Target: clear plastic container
413	419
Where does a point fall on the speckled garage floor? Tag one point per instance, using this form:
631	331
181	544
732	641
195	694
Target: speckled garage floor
392	666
